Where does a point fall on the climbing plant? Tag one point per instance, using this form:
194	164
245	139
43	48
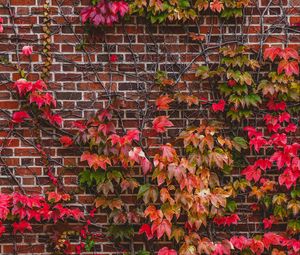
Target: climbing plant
187	197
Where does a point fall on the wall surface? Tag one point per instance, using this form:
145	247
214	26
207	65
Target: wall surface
83	81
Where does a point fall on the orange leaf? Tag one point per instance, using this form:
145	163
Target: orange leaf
216	6
160	123
162	103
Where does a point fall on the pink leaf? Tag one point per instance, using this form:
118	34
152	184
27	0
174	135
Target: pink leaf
27	50
166	251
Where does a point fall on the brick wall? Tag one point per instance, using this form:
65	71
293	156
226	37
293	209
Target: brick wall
84	81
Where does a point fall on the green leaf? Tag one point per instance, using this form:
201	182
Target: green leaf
227	169
203	72
177	233
120	232
280	212
114	175
143	253
231	206
94	2
247	251
267	201
228	13
240	143
237	100
89	244
153	19
240	89
293	226
225	89
252	99
184	4
295	193
22	73
143	189
90	177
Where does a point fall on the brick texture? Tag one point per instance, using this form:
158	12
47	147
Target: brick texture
82	79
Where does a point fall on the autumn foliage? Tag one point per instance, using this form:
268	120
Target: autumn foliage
188	189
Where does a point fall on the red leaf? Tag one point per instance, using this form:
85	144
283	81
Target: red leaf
107	128
113	58
23	86
252	173
161	227
85	14
2	229
289	67
75	213
42	99
281	158
227	220
289	53
39	85
5	203
160	123
273	128
239	242
291	128
121	7
288	178
133	134
218	106
257	142
271	239
268	222
166	251
222	249
231	83
66	140
252	132
145	228
56	119
104	13
52	118
278	139
263	164
281	106
19	117
104	115
272	53
80	125
21	226
285	116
